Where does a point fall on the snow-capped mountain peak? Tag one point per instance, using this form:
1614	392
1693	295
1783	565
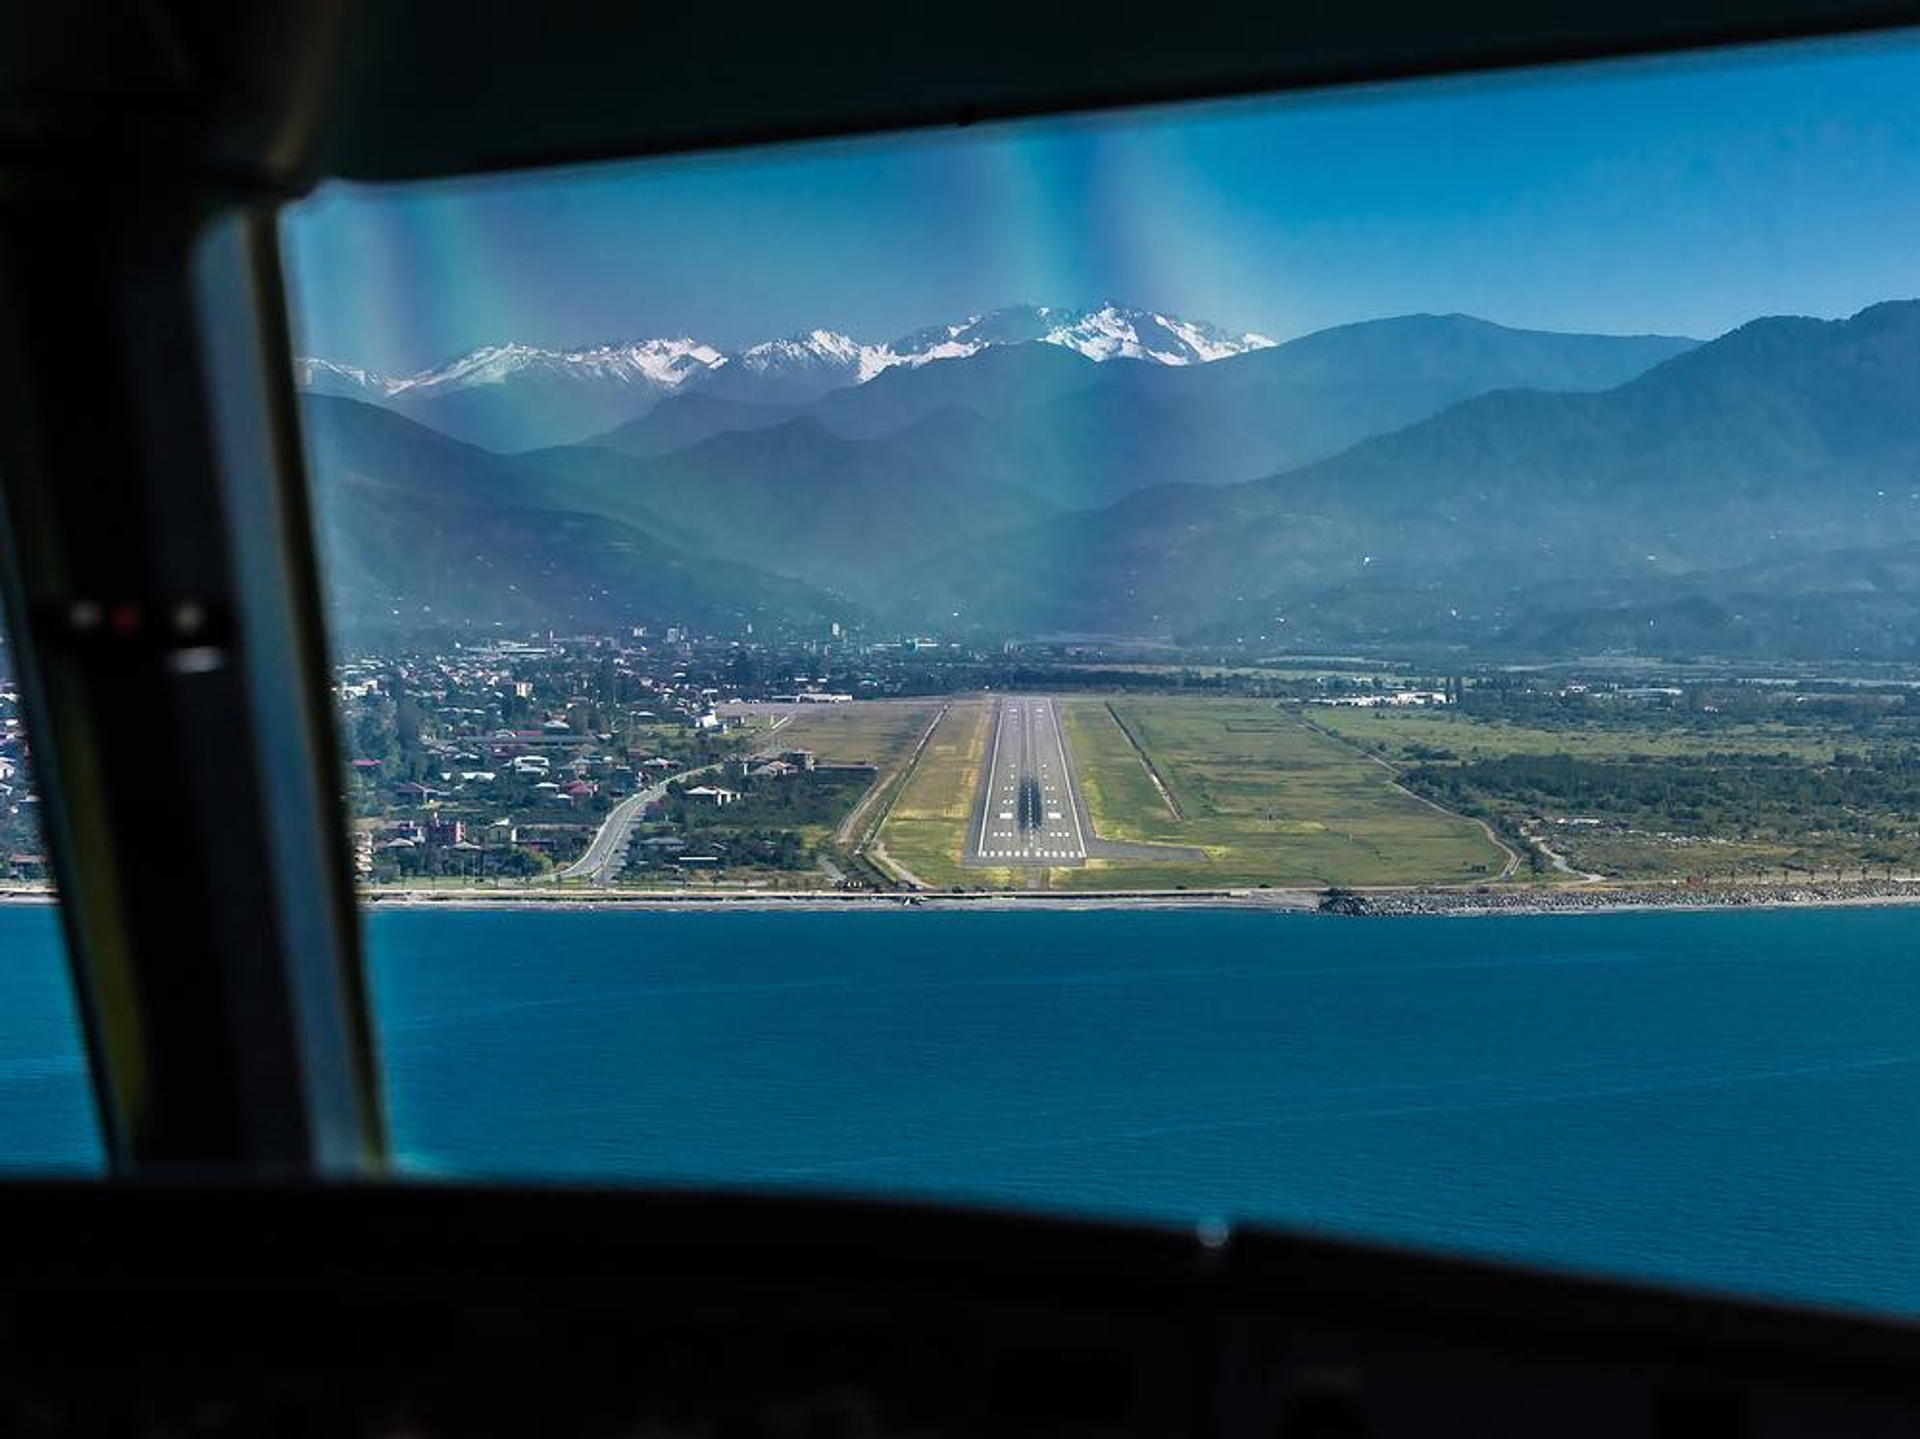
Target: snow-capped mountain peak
329	377
1106	332
663	364
549	393
817	349
1111	332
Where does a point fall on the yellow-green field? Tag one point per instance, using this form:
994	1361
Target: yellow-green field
1268	799
927	825
1120	793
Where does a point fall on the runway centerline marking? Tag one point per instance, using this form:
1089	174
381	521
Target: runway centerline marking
1027	787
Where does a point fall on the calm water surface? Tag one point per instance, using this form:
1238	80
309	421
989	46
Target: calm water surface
1724	1099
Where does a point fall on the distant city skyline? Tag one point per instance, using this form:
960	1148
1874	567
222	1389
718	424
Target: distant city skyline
1680	196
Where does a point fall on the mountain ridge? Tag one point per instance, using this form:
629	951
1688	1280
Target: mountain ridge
1126	423
1785	437
418	530
619	380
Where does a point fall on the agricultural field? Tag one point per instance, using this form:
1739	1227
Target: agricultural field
1270	801
876	732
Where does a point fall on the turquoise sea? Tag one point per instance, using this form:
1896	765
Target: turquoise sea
1726	1100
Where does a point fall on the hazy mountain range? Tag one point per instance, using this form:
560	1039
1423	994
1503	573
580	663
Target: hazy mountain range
418	531
1429	480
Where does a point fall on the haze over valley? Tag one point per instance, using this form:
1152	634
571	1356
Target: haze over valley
1119	473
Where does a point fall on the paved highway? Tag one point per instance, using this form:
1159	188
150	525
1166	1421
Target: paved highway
608	850
1026	812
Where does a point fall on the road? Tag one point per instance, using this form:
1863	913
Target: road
1026	812
607	852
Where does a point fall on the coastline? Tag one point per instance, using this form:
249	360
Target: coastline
1304	901
1380	903
1620	899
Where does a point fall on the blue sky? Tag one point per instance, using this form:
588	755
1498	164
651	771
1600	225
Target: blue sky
1682	196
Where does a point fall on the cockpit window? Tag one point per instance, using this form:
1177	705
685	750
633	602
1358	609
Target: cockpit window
1346	660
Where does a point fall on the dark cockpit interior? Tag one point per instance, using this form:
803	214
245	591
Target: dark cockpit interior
249	1262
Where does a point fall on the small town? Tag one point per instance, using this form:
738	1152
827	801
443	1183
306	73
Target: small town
500	762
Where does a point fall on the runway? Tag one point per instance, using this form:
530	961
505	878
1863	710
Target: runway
1027	812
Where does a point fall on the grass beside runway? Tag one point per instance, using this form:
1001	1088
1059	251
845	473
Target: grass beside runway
926	830
1121	796
1271	802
